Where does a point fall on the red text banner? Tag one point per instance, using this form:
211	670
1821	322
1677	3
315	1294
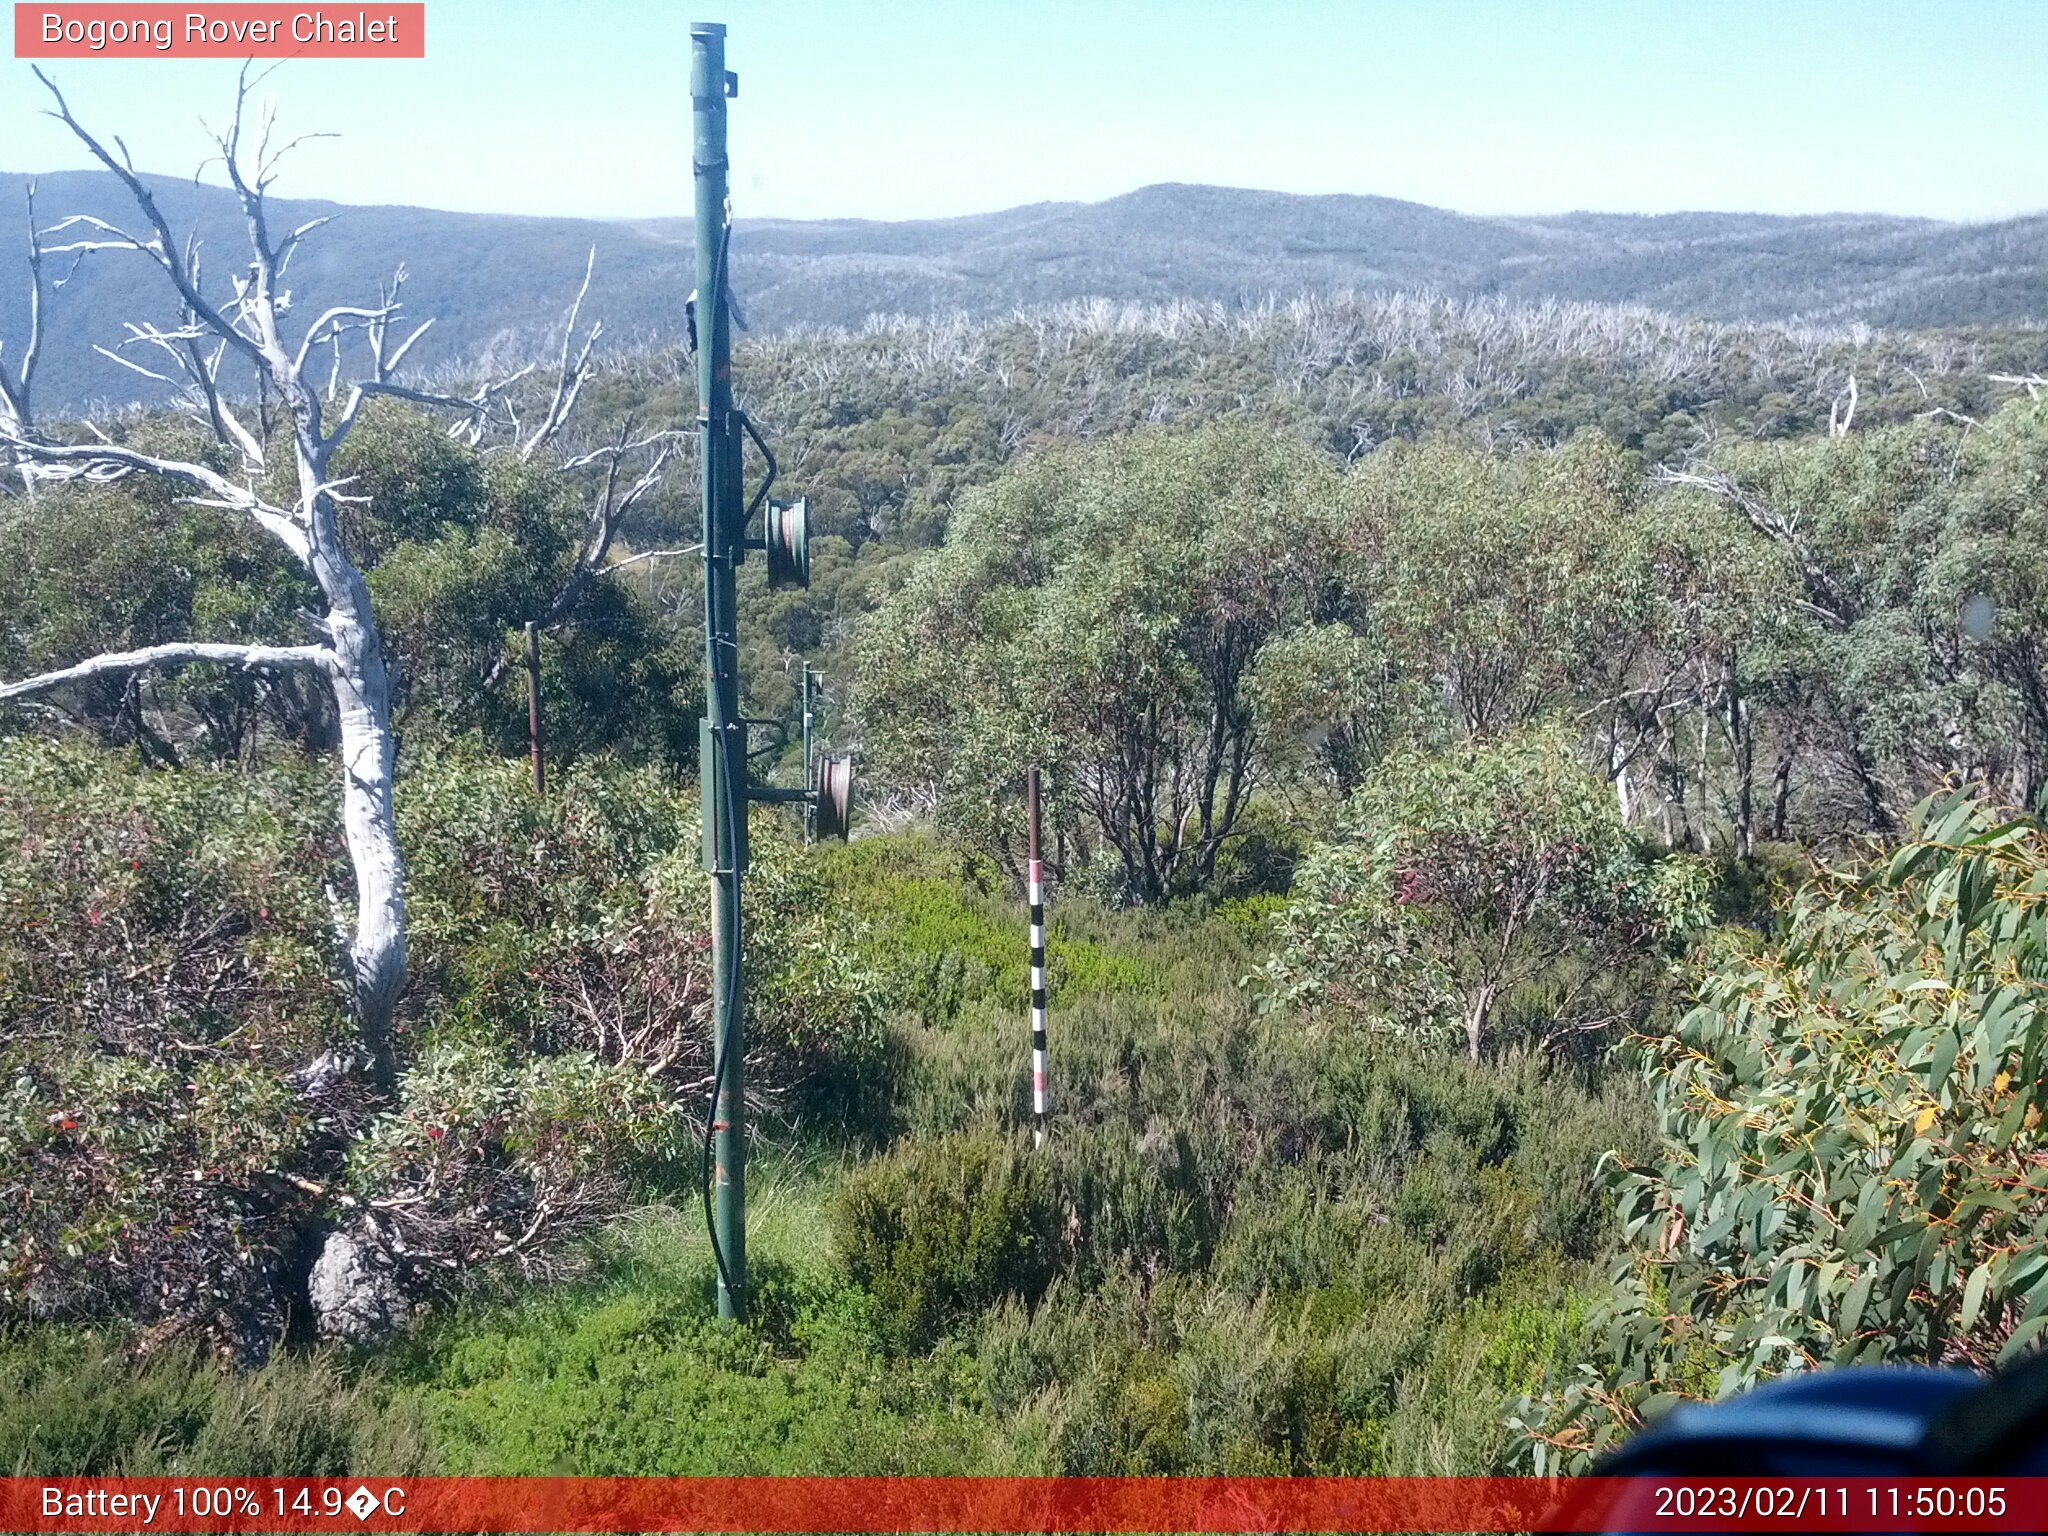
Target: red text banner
235	31
1016	1504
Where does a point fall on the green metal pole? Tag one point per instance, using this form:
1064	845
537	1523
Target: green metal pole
722	770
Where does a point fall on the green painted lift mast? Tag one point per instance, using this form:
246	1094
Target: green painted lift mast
722	747
722	757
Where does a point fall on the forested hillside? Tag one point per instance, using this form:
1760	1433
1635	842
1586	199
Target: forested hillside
1506	761
495	282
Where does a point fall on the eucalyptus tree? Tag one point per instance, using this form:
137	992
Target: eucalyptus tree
1333	699
1513	581
1852	1145
1720	649
1888	540
1486	590
1986	594
1100	610
1454	882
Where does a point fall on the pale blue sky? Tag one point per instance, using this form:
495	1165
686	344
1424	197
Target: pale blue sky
907	108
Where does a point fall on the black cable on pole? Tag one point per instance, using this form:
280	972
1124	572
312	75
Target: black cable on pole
721	1048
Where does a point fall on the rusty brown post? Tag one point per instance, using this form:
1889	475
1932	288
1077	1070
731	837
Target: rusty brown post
533	726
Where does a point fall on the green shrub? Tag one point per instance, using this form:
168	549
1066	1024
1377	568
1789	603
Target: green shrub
1260	858
1150	1198
1851	1122
169	973
935	1230
579	922
1089	1371
1498	885
1234	1366
947	933
76	1406
167	962
1252	917
646	1384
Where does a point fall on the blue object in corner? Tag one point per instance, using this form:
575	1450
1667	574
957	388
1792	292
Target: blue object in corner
1870	1420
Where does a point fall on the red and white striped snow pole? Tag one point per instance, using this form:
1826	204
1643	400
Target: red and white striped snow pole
1035	889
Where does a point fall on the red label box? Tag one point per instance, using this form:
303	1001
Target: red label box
100	30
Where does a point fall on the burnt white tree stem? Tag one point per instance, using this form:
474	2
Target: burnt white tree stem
351	656
113	663
16	390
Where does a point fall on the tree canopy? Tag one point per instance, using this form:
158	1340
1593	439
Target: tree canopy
1100	611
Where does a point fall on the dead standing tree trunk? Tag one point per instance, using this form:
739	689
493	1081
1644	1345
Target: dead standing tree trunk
348	656
17	418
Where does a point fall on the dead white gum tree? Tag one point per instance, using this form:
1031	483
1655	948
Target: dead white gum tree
18	385
246	328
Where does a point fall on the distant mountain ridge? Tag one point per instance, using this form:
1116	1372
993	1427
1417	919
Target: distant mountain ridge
499	281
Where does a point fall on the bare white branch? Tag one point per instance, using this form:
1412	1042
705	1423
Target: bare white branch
105	461
318	331
1827	601
134	367
16	393
611	451
2032	383
116	663
474	410
570	377
390	364
163	249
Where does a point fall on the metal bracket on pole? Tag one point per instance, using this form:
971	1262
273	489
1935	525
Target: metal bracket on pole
718	858
779	727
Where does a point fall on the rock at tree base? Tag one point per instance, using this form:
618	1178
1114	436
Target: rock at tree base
356	1297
